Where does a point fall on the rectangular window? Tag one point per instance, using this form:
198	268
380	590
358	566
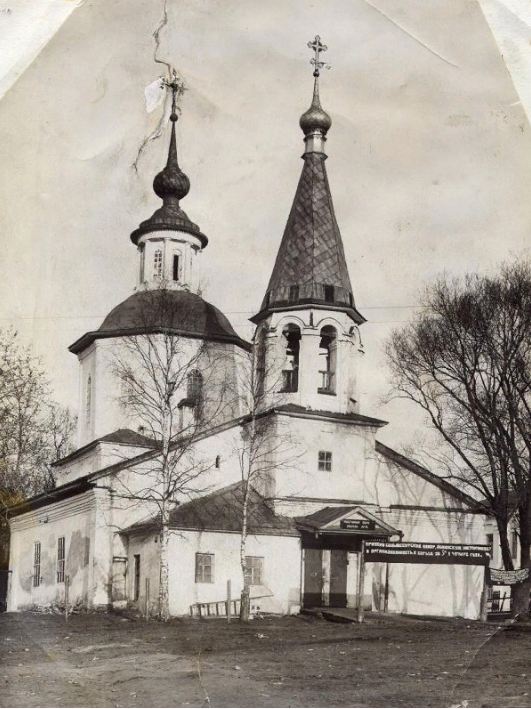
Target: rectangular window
254	570
175	267
37	564
325	460
514	544
136	578
204	568
293	294
61	560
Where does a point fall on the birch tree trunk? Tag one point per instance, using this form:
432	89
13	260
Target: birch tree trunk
245	601
164	596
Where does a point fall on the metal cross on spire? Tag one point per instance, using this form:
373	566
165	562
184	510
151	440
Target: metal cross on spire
318	47
177	89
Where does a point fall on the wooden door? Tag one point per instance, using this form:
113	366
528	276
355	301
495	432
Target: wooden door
338	578
313	578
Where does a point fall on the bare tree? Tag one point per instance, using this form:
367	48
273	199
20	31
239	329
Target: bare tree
263	445
34	431
466	361
173	387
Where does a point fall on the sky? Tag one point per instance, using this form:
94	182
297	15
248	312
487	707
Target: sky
429	155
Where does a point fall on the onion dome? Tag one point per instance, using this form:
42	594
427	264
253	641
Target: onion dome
171	185
315	119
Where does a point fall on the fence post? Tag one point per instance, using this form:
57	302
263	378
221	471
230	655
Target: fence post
228	601
386	593
67	594
484	596
147	599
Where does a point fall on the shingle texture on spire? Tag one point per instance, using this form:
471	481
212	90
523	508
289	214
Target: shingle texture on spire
310	267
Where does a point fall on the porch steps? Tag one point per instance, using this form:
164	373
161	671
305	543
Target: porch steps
333	615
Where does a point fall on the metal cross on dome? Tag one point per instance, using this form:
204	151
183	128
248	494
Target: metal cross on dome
318	47
177	88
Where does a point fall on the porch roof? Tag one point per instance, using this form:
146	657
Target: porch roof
346	520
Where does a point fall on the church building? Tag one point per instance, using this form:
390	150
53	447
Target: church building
330	484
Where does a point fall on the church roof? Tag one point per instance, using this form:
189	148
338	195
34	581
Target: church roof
310	267
427	475
176	312
221	511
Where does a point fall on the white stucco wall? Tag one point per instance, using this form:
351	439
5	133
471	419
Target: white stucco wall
282	569
73	519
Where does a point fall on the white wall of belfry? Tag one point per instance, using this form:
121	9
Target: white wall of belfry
310	321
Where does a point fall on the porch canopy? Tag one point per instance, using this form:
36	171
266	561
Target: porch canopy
342	528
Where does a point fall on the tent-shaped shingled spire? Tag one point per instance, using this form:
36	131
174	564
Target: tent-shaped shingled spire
310	268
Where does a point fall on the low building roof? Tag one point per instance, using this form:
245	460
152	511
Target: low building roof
123	436
222	511
426	474
352	417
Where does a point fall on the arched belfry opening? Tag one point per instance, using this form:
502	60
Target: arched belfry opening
291	341
327	360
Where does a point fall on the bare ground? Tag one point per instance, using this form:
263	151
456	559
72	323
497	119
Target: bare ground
106	660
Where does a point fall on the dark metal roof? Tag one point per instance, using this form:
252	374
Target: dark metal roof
175	312
426	474
222	511
123	435
310	268
62	492
171	185
304	412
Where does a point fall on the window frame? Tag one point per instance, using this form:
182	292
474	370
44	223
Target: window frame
158	264
201	576
136	577
36	564
252	568
324	461
61	547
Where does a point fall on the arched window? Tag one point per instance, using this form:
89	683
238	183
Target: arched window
194	384
260	360
157	264
194	390
327	360
88	401
290	369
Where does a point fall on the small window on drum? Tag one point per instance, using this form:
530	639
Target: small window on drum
329	294
176	267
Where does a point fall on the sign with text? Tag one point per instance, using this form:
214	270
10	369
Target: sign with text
427	553
360	524
500	577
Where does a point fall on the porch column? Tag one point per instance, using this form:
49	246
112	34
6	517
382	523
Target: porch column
326	577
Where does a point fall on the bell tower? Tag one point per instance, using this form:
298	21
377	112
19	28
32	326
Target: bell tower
307	331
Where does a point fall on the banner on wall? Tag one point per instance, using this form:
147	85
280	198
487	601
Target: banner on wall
427	553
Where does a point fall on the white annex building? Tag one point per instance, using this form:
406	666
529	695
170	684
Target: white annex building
307	521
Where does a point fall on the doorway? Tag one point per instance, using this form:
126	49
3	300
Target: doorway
313	578
338	578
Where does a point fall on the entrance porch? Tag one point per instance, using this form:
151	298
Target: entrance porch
331	557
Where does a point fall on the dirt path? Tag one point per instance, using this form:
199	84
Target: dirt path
104	660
